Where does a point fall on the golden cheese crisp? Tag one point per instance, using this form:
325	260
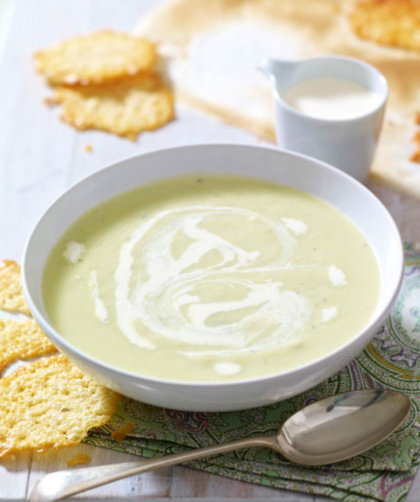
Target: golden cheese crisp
11	293
79	459
388	22
95	59
50	404
122	432
125	108
415	156
22	339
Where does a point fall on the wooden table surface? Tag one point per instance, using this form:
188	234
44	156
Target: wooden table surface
40	157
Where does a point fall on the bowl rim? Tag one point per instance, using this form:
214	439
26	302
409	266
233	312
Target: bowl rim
110	369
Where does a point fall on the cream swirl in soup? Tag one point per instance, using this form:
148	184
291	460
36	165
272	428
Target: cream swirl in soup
211	278
166	297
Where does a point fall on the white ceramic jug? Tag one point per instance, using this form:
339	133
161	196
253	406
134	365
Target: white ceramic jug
348	144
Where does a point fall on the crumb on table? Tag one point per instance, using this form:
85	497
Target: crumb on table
79	459
123	431
50	101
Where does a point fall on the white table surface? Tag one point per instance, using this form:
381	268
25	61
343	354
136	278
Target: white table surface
40	157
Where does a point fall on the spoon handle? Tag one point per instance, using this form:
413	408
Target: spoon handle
62	484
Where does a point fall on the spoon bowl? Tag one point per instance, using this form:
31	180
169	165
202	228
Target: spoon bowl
325	432
342	426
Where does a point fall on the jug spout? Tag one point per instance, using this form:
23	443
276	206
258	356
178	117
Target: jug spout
278	71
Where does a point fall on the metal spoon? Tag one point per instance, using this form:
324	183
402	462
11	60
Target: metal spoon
325	432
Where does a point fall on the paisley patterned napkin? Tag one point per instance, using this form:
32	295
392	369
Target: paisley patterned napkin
384	473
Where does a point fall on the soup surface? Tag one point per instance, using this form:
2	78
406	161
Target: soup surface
211	278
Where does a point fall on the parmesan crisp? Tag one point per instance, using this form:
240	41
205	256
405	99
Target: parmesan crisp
97	58
125	108
388	22
11	293
22	339
50	404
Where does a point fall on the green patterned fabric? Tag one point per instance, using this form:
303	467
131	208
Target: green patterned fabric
384	473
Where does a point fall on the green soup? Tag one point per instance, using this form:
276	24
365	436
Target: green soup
211	278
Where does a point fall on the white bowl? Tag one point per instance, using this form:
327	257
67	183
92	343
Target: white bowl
305	173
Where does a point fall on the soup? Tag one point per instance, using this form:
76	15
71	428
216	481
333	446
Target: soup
211	278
